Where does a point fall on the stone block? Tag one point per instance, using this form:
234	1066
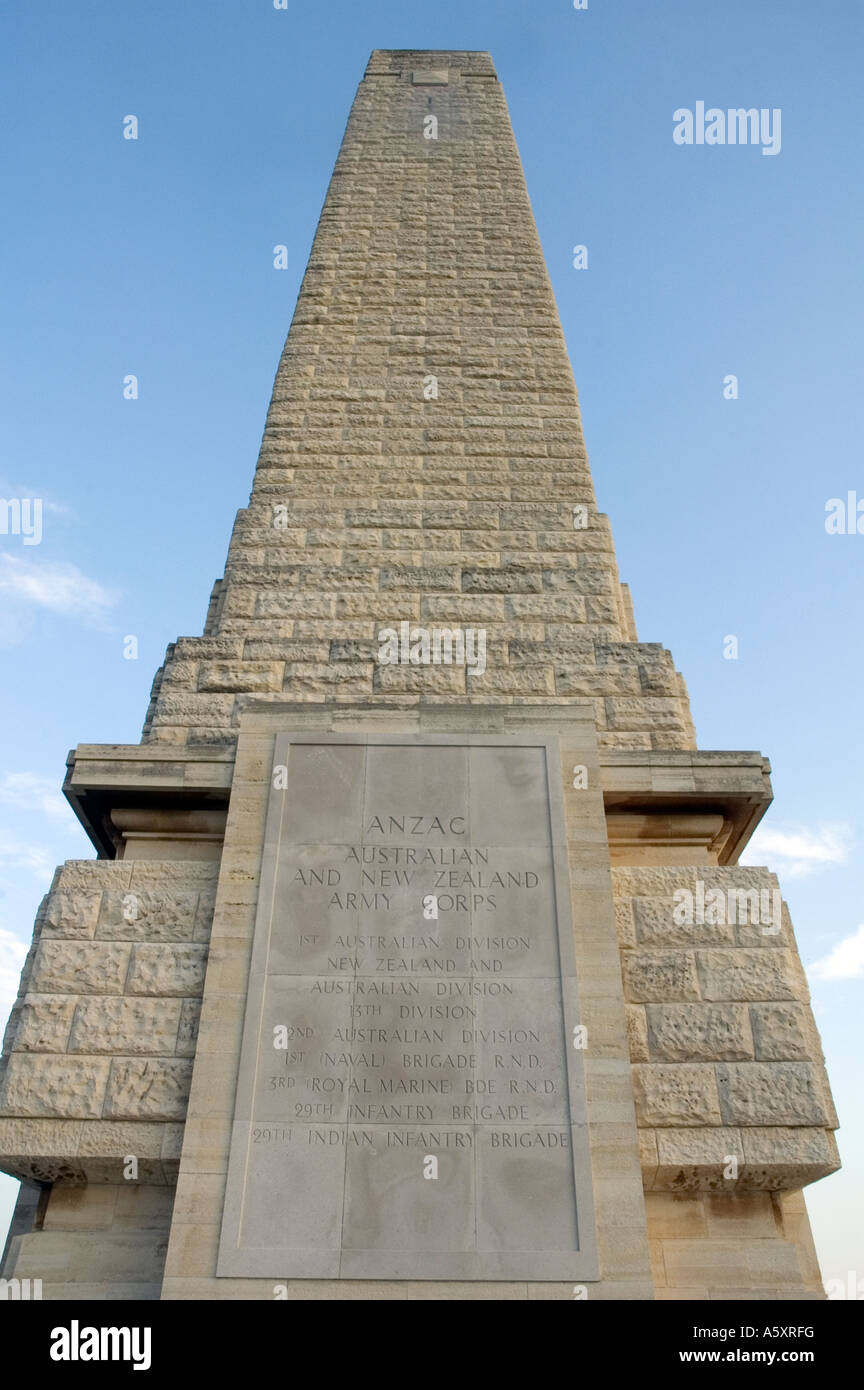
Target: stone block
675	1216
68	1087
770	1093
675	1095
167	969
74	1260
748	1215
651	881
637	1033
790	1148
148	1088
749	975
118	1139
243	676
624	923
43	1023
148	915
656	926
70	915
720	1264
137	1026
80	967
784	1033
80	1208
698	1032
655	976
648	1158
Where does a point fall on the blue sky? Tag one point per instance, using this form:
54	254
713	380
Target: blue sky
154	257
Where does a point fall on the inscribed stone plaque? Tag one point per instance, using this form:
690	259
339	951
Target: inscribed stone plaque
410	1099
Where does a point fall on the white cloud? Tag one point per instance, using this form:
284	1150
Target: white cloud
12	953
844	962
59	588
34	793
19	489
20	855
795	853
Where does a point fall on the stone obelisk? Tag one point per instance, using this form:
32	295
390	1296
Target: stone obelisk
415	961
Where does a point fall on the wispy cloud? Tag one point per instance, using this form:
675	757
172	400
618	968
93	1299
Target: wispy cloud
12	953
62	588
49	503
28	584
20	855
795	853
844	962
33	793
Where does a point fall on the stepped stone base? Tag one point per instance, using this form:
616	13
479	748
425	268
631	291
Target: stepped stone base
706	1085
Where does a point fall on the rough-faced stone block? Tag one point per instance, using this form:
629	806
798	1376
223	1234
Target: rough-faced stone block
118	1139
69	1087
747	975
167	970
43	1023
659	975
656	926
797	1152
770	1093
698	1159
698	1032
784	1032
148	1089
79	967
651	881
40	1136
137	1026
148	915
675	1095
624	924
70	915
637	1033
241	676
90	876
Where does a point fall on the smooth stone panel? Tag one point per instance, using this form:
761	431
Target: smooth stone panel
389	1203
327	793
411	1098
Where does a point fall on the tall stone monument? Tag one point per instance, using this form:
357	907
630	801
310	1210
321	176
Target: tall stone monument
416	961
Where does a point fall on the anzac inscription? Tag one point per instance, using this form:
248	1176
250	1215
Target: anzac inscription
410	1100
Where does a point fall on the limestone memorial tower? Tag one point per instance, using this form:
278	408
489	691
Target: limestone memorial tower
415	961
